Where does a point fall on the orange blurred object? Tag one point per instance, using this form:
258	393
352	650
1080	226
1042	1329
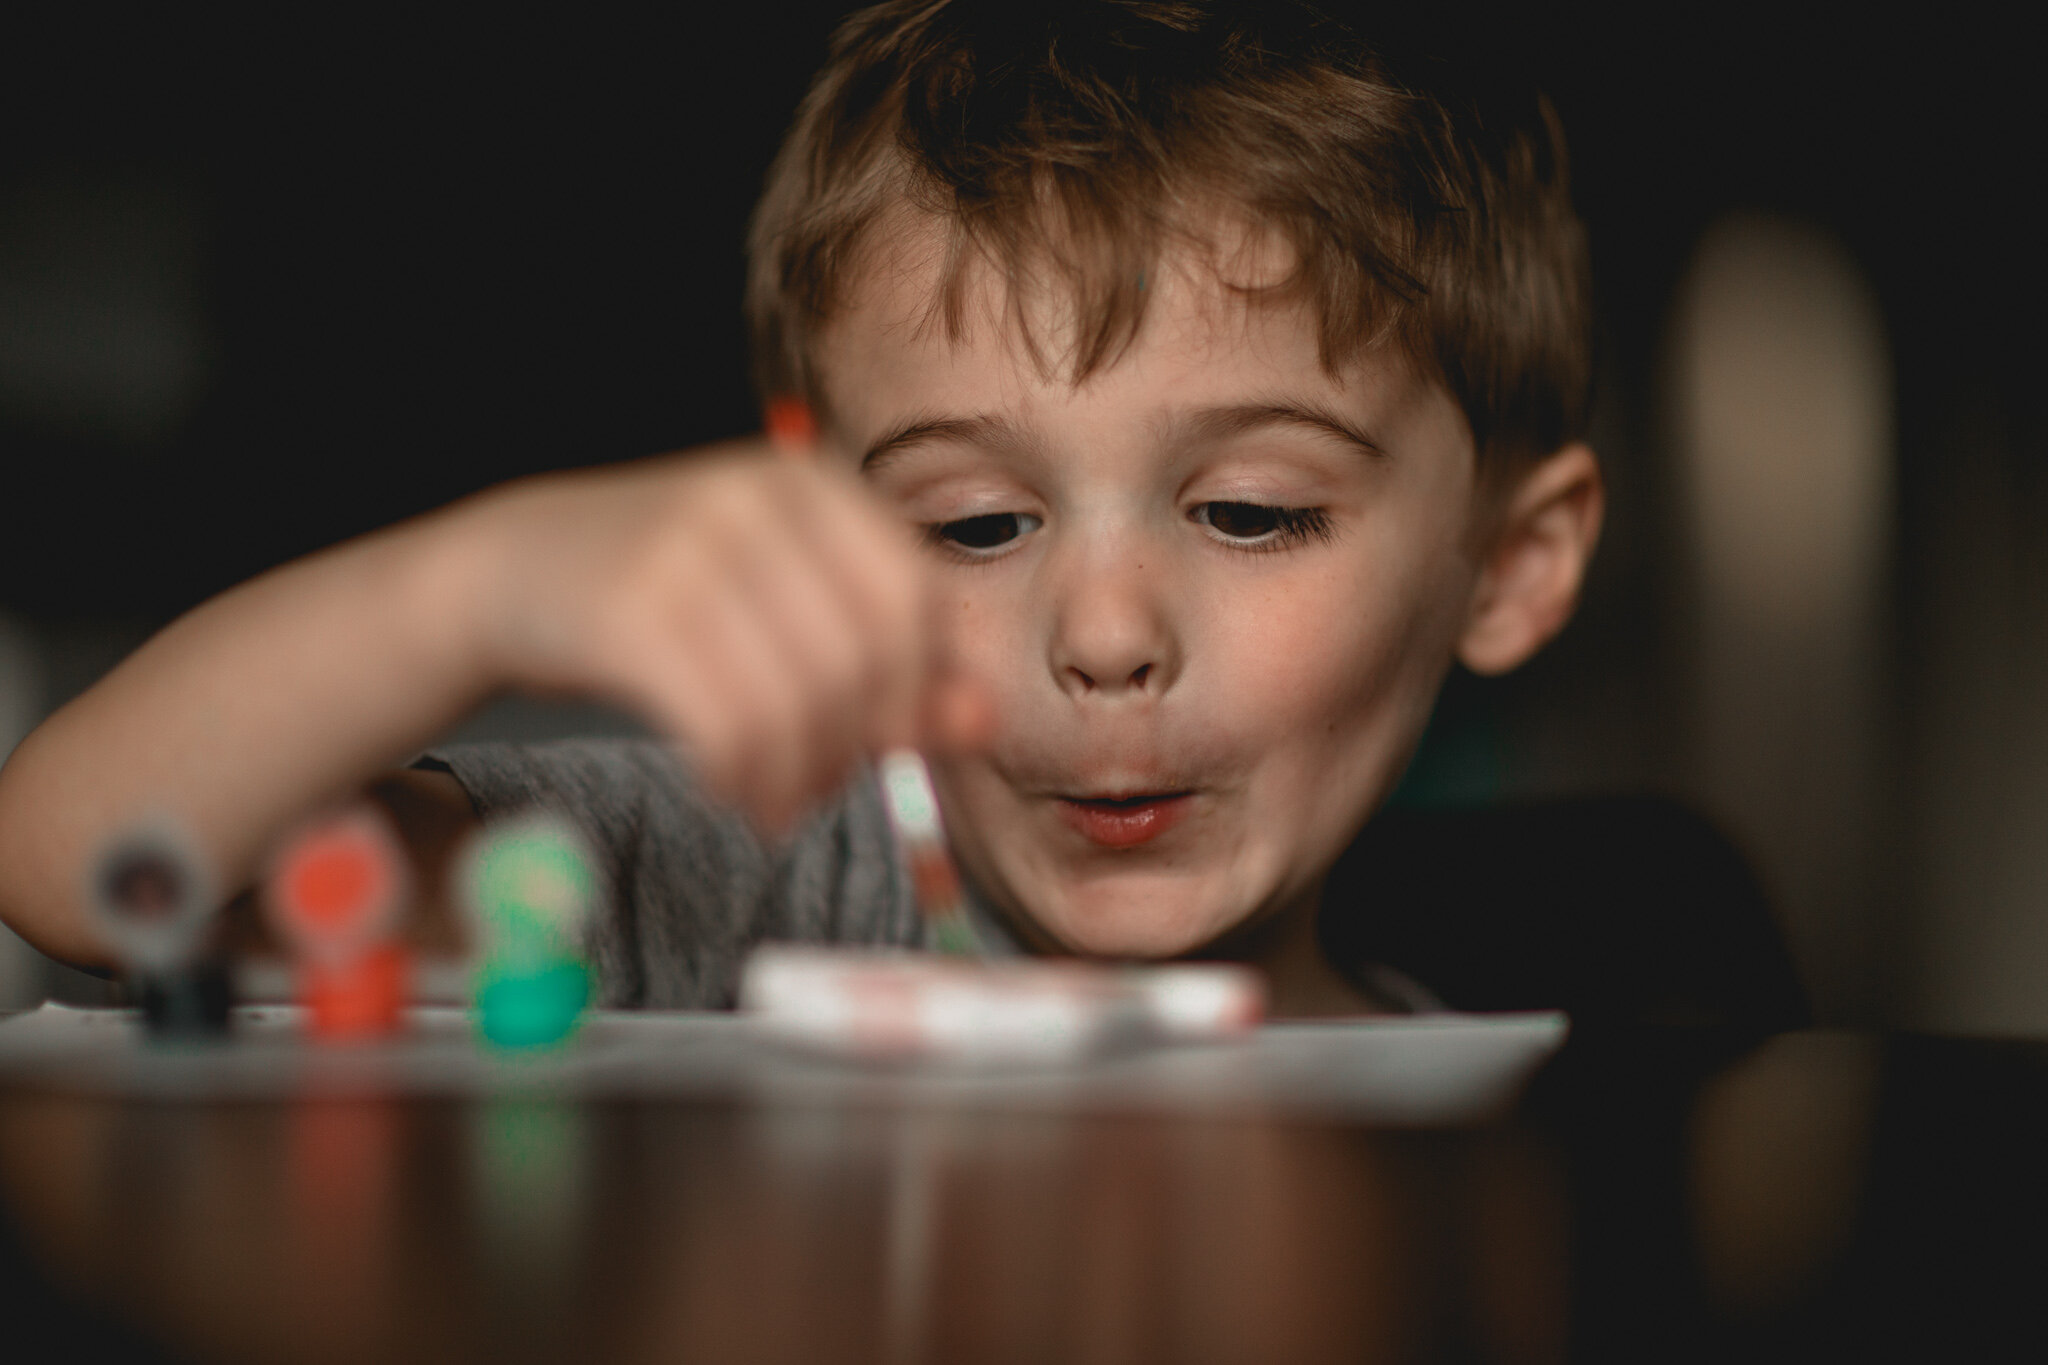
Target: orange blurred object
362	997
791	427
334	881
337	886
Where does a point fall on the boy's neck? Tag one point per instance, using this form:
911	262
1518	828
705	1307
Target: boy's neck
1299	978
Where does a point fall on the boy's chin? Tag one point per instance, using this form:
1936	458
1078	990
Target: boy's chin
1131	930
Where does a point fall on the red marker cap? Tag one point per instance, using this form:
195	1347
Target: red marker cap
335	889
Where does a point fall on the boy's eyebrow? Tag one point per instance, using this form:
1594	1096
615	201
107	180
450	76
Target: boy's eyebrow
1236	419
1204	424
982	429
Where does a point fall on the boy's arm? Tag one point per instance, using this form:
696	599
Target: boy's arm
290	690
762	611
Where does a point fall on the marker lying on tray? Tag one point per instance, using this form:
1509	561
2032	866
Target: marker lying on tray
878	1005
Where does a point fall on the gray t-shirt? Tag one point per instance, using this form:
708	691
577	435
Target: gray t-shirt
690	887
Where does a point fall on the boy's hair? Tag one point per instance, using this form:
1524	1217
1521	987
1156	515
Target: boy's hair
1075	142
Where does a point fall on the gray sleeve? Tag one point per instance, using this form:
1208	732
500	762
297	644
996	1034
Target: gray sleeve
689	886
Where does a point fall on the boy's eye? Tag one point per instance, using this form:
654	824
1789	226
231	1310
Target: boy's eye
983	534
1239	520
1255	524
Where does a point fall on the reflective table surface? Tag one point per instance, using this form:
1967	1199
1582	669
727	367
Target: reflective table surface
1652	1196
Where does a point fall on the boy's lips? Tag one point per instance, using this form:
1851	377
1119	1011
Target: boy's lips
1124	822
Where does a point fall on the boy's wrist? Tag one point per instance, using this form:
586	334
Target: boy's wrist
443	569
475	564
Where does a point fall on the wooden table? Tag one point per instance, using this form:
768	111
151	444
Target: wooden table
1656	1196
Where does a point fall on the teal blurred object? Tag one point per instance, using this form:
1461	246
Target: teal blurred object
530	887
532	1009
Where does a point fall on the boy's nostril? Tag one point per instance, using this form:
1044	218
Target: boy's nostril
1138	679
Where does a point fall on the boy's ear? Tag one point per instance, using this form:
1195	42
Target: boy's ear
1541	538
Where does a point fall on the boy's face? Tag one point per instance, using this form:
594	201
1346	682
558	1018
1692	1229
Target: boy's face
1212	591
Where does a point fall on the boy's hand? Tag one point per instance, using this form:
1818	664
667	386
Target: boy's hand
761	608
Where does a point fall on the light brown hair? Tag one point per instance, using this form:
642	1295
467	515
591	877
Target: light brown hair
1077	142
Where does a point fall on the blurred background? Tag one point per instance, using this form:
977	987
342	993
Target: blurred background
267	283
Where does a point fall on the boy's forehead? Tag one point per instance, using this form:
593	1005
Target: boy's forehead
1218	326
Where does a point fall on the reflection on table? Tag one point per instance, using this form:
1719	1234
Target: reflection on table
1656	1196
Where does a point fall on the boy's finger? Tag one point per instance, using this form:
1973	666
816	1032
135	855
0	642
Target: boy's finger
672	687
770	708
750	700
867	561
823	653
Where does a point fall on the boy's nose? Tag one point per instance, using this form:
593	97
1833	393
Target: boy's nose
1113	633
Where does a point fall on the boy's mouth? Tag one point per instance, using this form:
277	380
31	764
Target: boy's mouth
1124	821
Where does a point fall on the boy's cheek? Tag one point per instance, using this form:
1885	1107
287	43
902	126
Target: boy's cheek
1287	668
984	646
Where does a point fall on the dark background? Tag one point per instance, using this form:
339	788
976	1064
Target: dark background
403	256
435	251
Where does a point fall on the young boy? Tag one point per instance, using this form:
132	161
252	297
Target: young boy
1194	388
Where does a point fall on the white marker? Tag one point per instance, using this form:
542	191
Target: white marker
914	813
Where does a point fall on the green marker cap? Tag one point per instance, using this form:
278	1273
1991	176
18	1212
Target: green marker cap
529	885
